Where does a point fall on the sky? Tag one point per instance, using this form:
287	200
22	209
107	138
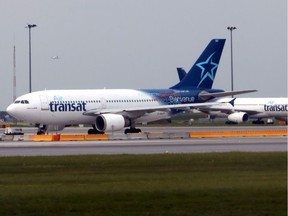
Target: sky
139	43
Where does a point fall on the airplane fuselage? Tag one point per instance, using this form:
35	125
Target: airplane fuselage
67	107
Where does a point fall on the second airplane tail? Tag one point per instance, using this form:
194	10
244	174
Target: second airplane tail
202	73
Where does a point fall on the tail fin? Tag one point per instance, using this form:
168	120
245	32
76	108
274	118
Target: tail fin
181	73
203	72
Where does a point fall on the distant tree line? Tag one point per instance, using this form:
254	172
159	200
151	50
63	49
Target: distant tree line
5	117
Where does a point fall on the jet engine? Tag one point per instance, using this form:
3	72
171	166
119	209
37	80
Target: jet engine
110	122
238	117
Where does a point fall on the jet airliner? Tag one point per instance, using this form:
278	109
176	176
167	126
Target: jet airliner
242	109
115	109
239	110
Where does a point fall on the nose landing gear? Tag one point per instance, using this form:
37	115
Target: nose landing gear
41	129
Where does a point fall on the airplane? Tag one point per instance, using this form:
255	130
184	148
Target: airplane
238	110
55	57
110	110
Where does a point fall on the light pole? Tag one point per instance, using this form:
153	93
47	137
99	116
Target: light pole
29	26
231	28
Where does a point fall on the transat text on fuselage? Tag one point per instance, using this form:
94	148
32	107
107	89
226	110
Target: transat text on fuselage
67	107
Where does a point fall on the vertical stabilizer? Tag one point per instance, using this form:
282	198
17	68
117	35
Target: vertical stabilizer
203	72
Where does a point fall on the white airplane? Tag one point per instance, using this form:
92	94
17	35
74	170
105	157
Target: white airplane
55	57
114	109
238	110
242	109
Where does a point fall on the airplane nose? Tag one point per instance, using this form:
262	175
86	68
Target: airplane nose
11	109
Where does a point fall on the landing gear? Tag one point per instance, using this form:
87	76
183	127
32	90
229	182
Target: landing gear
258	121
41	129
132	130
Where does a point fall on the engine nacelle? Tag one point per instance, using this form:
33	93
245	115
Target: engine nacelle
238	117
110	122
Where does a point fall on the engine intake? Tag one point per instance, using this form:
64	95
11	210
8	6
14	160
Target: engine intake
110	122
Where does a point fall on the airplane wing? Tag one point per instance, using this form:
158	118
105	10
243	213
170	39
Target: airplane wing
95	112
206	95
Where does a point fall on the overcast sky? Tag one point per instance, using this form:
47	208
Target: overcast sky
139	43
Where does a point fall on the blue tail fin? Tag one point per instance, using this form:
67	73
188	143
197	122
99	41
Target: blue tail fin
203	72
181	73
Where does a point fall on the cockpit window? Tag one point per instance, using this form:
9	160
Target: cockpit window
21	101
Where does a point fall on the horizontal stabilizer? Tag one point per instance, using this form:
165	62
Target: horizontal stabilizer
207	95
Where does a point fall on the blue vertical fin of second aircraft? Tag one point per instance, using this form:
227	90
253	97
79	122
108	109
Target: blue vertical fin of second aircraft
203	72
181	73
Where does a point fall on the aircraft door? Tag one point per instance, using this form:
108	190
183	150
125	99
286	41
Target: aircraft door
44	102
103	103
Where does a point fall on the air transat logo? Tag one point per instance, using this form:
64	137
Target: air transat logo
59	105
208	68
271	107
67	107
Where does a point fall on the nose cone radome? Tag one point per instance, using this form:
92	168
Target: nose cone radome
11	109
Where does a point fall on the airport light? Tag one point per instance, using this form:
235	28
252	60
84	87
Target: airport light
231	28
29	26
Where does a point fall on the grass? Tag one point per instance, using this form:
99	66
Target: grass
168	184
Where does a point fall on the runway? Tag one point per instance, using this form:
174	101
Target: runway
83	130
157	146
245	144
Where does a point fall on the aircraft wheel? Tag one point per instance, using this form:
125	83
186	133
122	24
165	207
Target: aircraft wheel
132	130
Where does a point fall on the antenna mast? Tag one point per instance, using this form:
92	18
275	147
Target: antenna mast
14	73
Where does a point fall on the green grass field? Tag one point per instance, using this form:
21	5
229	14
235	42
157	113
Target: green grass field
170	184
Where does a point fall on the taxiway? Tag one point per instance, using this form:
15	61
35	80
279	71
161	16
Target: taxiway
157	146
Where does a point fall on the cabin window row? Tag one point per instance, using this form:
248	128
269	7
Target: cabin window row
95	101
131	101
107	101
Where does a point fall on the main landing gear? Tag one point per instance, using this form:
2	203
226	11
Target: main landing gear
258	121
132	130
